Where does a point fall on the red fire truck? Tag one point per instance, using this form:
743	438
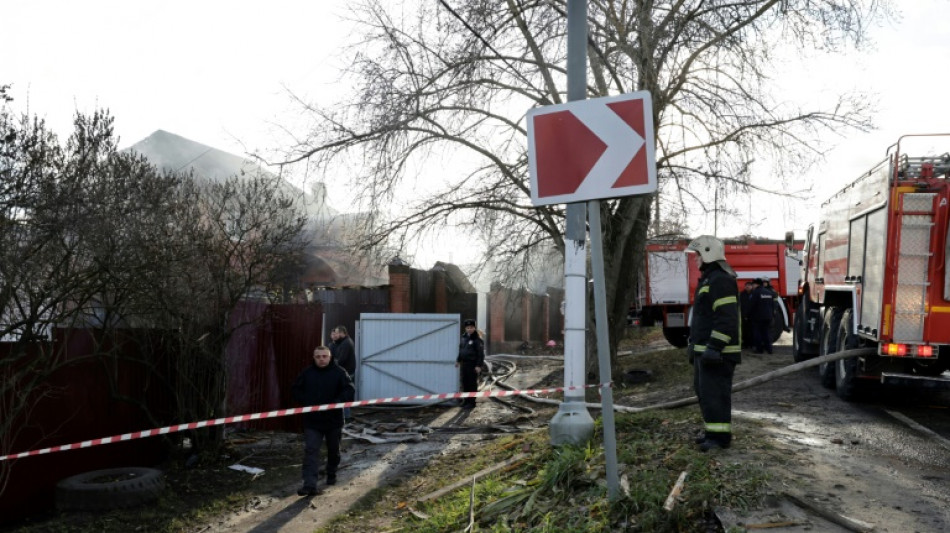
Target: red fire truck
876	274
666	292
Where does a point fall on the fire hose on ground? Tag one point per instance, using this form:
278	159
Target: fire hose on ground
749	383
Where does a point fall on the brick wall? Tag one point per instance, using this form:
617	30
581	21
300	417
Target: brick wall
498	302
400	289
441	298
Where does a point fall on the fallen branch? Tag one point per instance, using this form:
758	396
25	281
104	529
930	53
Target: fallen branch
848	523
418	514
480	474
471	507
677	488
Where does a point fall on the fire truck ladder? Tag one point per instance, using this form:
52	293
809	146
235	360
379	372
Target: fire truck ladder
916	219
924	167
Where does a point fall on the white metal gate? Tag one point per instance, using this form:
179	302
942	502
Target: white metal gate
406	354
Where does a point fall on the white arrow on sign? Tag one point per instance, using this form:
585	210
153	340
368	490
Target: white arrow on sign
622	144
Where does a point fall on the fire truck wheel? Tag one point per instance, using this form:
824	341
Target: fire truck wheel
846	377
827	344
798	331
112	488
846	370
826	374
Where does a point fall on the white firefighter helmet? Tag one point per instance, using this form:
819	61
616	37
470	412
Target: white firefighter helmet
709	248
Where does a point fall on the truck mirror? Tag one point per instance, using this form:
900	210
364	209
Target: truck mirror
789	238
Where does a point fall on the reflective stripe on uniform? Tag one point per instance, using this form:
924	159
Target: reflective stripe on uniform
721	336
718	427
704	288
732	348
724	301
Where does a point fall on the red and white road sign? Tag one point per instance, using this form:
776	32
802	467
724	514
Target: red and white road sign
592	149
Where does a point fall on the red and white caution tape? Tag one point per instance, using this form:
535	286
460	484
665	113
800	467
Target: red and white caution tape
279	413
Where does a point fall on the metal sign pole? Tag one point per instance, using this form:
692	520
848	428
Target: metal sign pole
603	350
572	424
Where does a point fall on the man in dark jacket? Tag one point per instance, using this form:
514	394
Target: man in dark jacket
344	353
760	315
745	304
714	342
471	359
323	382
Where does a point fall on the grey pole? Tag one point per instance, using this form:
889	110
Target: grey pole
572	424
603	351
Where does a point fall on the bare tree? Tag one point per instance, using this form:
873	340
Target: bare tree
442	88
235	240
98	240
49	275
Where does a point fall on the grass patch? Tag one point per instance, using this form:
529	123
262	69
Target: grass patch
638	337
671	377
565	489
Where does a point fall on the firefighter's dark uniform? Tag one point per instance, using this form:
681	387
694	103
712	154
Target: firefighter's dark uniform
715	350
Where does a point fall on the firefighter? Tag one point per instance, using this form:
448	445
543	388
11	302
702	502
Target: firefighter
714	340
760	315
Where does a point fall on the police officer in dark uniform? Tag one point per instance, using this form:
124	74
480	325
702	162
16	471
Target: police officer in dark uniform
744	305
714	340
760	315
471	359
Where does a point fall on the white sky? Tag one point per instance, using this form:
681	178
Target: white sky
903	73
214	71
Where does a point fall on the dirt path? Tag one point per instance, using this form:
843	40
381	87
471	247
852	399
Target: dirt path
365	467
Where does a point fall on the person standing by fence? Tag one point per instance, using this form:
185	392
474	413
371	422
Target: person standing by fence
344	353
471	360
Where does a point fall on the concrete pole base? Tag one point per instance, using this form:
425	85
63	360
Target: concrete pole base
572	424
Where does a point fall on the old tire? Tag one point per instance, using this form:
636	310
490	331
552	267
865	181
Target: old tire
111	488
827	344
678	337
